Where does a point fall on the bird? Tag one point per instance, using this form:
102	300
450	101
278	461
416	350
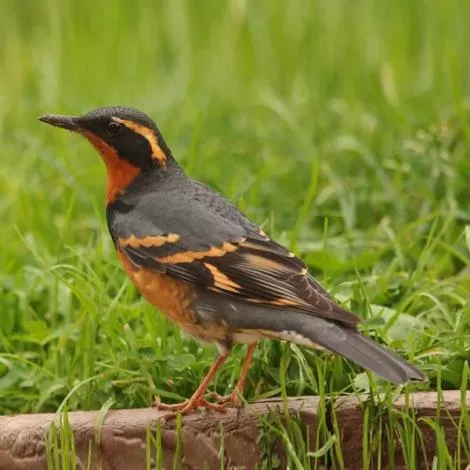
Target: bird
208	268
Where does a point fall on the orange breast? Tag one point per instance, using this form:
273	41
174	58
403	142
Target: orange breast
121	173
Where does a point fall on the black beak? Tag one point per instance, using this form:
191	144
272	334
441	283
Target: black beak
66	122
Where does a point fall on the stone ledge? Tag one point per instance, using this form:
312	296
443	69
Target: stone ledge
123	434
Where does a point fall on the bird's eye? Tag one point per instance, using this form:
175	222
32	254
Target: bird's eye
113	127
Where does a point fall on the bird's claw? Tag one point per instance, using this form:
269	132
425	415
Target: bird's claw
187	406
226	400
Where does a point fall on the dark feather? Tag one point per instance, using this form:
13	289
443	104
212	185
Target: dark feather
314	331
259	270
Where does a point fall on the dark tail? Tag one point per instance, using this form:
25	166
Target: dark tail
312	331
370	355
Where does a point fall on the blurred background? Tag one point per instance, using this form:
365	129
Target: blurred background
339	126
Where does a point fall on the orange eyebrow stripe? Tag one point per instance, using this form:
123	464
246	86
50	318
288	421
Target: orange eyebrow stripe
148	242
149	135
190	256
221	281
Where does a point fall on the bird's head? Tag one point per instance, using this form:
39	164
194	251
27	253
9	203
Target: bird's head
127	139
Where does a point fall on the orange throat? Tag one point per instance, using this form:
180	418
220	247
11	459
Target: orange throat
121	173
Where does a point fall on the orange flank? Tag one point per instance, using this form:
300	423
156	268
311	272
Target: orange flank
172	297
169	295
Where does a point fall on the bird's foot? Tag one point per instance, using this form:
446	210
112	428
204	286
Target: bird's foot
226	400
187	406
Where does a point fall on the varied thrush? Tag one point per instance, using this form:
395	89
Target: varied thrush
201	262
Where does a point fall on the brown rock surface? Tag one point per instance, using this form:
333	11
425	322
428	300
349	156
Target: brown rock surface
424	406
121	443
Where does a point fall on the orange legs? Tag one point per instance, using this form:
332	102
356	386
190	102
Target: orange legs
234	397
199	396
197	400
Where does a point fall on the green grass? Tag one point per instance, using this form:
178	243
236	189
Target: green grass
341	127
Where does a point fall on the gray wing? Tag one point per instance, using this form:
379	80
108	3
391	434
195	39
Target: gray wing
201	238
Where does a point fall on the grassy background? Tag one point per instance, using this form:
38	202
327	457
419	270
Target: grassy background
340	126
